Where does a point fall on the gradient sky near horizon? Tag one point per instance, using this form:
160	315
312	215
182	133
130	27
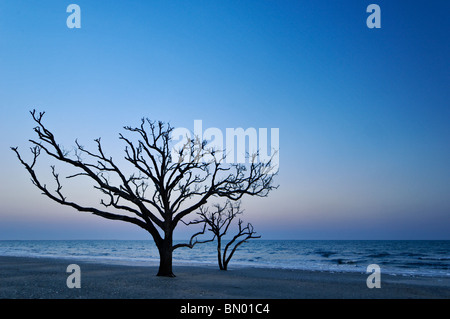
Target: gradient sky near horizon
363	113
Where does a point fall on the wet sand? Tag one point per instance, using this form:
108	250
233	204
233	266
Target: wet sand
45	278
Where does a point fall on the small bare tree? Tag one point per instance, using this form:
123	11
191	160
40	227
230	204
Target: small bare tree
219	222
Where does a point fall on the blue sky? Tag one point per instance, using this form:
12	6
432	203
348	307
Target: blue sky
363	113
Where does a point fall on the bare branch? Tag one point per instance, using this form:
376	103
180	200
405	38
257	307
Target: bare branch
192	243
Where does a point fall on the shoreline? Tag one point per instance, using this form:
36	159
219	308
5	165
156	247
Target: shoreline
126	262
45	278
396	257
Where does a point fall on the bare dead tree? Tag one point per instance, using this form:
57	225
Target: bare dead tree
160	191
219	222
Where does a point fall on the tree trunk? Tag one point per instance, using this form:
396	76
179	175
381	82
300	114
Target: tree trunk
225	263
165	257
219	252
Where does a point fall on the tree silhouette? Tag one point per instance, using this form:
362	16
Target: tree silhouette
219	222
160	191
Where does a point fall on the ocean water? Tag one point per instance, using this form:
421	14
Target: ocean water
408	258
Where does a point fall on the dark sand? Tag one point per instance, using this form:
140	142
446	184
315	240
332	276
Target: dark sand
43	278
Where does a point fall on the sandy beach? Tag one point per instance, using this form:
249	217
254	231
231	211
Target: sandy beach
43	278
